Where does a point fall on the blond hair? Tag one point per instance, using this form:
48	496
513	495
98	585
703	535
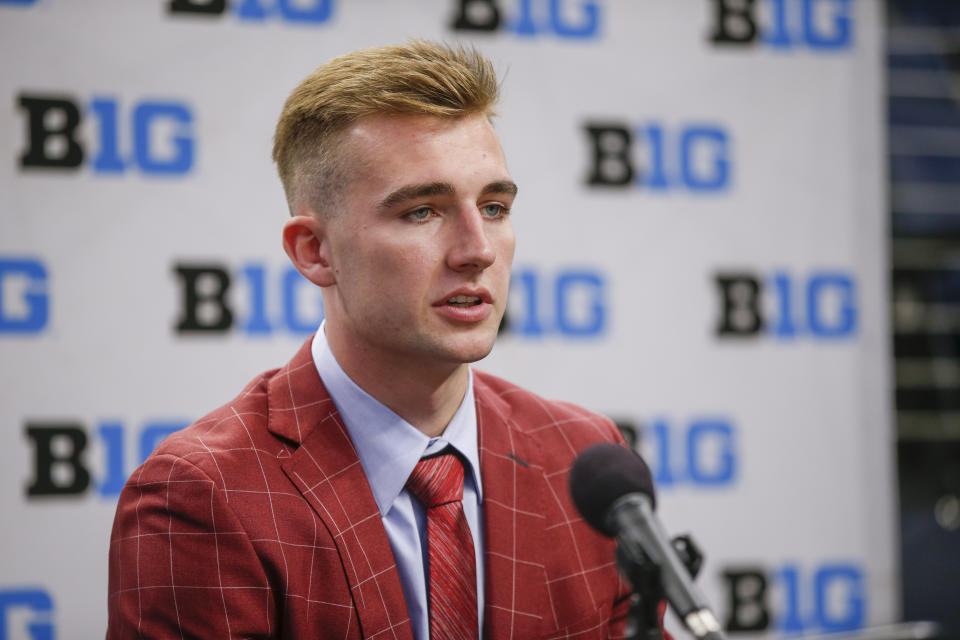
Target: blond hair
417	78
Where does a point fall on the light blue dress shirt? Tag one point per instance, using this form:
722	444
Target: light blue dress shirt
389	448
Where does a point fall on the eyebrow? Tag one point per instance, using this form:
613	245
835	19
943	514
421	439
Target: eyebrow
415	191
502	186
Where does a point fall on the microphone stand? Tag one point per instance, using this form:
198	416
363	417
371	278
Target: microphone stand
643	619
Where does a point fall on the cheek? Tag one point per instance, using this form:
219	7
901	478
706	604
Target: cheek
505	247
406	258
405	268
378	255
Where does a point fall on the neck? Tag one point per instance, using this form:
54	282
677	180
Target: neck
425	395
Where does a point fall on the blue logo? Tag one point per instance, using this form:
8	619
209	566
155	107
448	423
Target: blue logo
571	303
175	118
113	436
40	605
24	298
831	598
700	453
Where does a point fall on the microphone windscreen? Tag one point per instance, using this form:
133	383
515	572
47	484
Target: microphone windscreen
601	475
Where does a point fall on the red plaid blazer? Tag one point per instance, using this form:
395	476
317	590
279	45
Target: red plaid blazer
257	522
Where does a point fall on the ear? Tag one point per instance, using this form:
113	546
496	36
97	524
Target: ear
306	243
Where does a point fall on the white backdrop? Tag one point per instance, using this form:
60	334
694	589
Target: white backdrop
759	160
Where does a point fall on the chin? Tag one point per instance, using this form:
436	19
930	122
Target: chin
472	351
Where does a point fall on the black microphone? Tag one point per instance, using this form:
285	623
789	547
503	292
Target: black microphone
612	488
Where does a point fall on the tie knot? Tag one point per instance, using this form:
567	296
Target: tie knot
437	480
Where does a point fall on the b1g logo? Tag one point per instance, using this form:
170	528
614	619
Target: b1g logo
258	300
659	158
575	19
792	599
570	303
823	25
32	608
24	297
298	11
154	137
255	299
822	305
700	453
60	465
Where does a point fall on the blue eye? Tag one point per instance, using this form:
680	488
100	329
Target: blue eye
420	214
494	210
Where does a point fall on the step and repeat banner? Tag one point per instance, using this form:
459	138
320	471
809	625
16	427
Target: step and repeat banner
701	256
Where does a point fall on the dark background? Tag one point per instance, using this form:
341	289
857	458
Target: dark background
923	62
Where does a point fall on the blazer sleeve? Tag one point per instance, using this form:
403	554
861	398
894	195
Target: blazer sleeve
181	564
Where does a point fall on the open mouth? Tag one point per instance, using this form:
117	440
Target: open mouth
463	301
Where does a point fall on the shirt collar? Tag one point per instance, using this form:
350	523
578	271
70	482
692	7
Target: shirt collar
388	446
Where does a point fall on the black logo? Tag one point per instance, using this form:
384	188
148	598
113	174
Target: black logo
52	140
822	305
827	598
526	18
295	11
60	465
254	300
687	156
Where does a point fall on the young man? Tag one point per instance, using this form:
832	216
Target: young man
303	508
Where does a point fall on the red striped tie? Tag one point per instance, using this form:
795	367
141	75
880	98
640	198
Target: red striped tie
437	482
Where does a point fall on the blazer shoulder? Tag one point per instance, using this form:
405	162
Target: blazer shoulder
239	424
544	418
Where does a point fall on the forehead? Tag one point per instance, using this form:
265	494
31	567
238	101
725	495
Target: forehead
404	128
397	149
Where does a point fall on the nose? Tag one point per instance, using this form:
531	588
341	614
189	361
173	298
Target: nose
470	246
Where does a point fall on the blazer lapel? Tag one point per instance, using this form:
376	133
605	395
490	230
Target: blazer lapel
326	470
515	492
